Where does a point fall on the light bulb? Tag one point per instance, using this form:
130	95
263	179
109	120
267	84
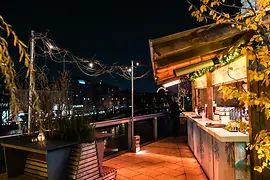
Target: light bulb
91	65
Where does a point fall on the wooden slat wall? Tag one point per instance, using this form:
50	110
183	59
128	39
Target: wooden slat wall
36	167
209	95
193	99
84	164
235	71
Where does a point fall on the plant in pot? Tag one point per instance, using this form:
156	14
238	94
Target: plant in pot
73	128
83	156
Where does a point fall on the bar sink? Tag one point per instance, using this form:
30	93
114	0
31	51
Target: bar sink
210	125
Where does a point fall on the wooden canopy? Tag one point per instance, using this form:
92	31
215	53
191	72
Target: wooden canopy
190	47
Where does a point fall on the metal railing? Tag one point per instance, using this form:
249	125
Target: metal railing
126	120
149	127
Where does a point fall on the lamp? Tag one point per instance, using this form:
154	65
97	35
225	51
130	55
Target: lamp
192	68
41	137
172	83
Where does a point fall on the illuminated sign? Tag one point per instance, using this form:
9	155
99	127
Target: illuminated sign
81	81
77	106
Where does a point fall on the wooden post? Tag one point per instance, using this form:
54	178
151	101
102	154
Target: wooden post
155	130
209	95
193	99
257	122
129	136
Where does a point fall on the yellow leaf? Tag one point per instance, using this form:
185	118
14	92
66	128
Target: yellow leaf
261	76
26	63
227	15
248	21
215	15
190	7
258	168
8	31
203	8
250	48
21	56
244	51
22	43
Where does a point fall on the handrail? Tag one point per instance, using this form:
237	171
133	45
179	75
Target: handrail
11	135
126	120
110	122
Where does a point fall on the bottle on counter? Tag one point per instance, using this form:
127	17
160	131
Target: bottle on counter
196	111
205	110
214	106
203	114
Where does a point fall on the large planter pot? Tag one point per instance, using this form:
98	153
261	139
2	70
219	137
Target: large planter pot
100	152
85	162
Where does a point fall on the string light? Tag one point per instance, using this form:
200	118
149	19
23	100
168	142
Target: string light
226	59
46	48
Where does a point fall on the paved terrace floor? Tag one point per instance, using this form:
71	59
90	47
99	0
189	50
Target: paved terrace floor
167	159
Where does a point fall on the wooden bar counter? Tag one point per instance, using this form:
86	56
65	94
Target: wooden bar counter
222	154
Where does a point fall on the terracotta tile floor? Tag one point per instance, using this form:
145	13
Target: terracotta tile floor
167	159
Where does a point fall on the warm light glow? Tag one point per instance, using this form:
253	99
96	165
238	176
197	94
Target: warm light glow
161	89
138	149
41	137
129	70
142	152
91	65
171	83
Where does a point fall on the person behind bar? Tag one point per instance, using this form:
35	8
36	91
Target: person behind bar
175	112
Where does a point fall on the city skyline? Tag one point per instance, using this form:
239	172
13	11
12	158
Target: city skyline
111	32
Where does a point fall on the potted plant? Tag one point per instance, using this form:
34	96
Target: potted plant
86	158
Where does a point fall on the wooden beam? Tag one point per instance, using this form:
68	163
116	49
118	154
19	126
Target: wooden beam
193	93
170	44
187	62
209	95
165	75
199	50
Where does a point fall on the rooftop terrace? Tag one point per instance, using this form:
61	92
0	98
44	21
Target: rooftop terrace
167	159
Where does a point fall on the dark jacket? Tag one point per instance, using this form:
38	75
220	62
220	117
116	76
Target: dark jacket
174	108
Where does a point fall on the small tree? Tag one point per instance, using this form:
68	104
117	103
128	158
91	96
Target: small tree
50	95
252	16
184	89
7	64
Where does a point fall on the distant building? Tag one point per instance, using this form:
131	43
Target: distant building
4	104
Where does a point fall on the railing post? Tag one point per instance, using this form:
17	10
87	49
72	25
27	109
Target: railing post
155	131
129	136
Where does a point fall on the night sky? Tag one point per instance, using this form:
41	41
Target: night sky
113	31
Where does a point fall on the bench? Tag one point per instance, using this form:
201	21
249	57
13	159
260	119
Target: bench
35	168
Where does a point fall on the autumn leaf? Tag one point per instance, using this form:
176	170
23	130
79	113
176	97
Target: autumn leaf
227	15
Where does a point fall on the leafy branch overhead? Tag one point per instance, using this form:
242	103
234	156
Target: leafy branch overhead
7	64
250	16
226	59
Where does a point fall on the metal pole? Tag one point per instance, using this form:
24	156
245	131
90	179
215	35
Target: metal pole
31	79
132	103
64	66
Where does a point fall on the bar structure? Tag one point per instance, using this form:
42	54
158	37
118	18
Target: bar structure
220	151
